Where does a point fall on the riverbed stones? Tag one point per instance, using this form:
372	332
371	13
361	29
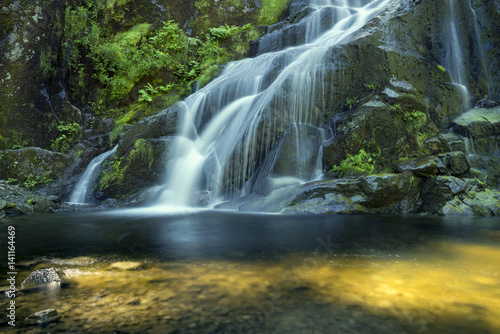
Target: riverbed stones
43	317
41	278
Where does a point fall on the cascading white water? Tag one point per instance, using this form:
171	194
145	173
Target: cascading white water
455	59
252	103
88	178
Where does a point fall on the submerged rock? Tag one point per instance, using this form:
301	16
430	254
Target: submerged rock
42	317
40	278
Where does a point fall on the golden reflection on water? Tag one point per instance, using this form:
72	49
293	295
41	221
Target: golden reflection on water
442	287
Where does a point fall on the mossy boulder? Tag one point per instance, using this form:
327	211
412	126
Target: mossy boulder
32	165
478	123
425	167
142	166
389	128
163	124
436	191
456	163
473	204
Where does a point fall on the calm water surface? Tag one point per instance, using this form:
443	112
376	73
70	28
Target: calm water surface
223	272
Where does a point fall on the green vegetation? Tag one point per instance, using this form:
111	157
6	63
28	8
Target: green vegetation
111	173
372	86
414	120
68	134
396	107
32	181
149	92
143	63
351	102
18	141
359	164
271	11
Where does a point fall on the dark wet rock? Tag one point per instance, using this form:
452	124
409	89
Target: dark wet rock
391	193
33	164
54	199
2	214
426	167
330	203
298	154
485	103
453	142
160	125
40	278
489	166
143	166
478	123
17	209
42	317
388	129
436	191
456	162
385	193
473	204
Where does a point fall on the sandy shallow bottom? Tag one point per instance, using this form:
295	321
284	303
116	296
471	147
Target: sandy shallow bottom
322	292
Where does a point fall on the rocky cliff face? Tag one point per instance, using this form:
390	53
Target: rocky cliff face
388	98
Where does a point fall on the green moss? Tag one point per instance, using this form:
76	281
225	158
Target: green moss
359	164
271	11
142	150
112	173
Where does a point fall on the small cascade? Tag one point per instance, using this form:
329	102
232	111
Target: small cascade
84	186
454	56
229	127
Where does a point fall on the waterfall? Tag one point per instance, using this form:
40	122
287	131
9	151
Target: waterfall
454	57
88	178
229	126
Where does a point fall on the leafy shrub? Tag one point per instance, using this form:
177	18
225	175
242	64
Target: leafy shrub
68	134
359	164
